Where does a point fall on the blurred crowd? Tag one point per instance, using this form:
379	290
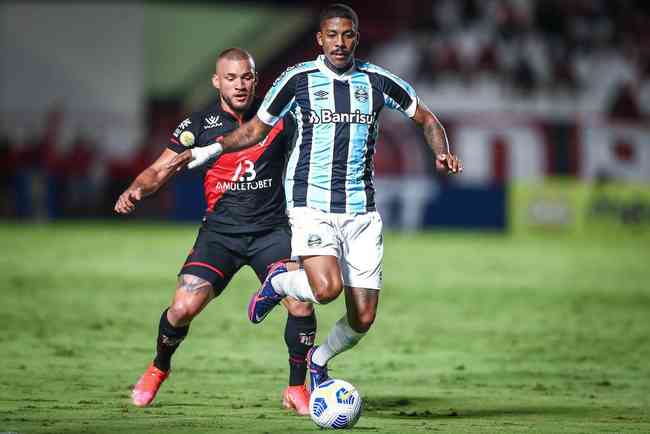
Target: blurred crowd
596	51
48	172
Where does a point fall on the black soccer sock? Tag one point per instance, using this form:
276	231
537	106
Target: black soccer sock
299	334
169	338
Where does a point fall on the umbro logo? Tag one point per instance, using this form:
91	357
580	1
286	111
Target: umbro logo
212	122
321	94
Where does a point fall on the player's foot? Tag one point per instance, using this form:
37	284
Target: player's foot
146	388
317	374
265	299
296	398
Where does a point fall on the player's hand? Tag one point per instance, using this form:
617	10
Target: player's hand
449	163
126	202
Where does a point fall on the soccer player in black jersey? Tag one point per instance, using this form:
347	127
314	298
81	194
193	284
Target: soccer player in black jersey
245	223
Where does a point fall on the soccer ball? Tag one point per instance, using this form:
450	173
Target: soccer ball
335	404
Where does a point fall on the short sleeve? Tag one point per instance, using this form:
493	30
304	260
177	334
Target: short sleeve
279	98
398	94
185	135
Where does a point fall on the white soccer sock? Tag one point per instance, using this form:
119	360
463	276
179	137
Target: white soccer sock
294	284
341	338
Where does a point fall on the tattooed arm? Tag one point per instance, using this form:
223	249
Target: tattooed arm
436	138
249	134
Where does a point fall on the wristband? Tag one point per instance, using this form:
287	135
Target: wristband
203	154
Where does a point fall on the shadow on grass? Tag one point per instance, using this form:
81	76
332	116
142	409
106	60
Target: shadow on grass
404	407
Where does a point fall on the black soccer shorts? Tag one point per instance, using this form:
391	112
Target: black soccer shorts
217	256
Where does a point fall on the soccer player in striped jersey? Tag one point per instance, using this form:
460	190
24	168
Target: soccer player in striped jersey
336	230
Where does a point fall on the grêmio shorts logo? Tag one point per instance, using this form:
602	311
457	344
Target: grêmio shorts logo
328	116
314	240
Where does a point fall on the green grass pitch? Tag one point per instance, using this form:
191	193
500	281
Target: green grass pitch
475	333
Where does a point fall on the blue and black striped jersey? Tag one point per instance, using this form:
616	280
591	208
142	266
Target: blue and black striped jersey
331	165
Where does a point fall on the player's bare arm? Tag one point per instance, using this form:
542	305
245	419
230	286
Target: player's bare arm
247	135
436	138
146	183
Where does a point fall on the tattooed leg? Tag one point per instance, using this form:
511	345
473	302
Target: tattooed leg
192	295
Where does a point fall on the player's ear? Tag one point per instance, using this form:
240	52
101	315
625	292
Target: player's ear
319	38
215	81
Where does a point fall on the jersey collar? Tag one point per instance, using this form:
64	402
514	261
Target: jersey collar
347	75
248	114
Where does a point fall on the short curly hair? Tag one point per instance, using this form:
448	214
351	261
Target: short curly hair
339	10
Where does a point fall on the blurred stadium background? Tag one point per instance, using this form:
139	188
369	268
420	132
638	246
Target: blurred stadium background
530	91
520	288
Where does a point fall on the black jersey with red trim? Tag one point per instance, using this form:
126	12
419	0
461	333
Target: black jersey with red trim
243	190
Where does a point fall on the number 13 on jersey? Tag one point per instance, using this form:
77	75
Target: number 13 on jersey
245	171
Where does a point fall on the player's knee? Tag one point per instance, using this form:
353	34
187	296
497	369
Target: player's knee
363	321
327	288
192	294
326	294
297	308
323	297
182	312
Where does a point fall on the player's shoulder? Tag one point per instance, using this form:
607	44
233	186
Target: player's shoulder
208	117
196	122
301	67
212	111
294	70
365	66
383	78
187	129
197	116
185	133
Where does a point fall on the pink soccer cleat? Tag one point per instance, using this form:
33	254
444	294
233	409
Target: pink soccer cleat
146	388
296	398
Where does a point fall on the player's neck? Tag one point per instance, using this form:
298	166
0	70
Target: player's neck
239	115
335	69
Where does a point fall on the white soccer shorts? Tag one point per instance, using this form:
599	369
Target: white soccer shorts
355	239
